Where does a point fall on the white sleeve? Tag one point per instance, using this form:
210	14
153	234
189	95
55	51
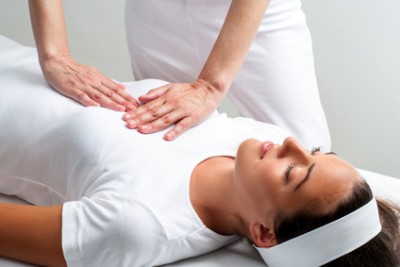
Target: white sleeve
109	231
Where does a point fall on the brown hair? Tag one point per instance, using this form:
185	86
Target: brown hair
382	251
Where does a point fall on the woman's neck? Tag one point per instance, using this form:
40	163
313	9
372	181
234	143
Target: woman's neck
213	196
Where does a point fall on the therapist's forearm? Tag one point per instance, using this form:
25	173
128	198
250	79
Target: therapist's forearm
230	49
49	28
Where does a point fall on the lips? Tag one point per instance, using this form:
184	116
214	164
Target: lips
266	146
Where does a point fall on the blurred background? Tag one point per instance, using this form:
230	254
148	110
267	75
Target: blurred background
357	58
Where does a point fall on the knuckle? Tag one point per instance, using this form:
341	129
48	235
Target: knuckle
151	112
166	119
97	96
144	117
80	95
110	94
154	113
186	123
104	82
97	86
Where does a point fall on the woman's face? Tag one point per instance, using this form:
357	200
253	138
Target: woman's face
287	178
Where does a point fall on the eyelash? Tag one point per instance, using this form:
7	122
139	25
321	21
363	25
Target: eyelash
288	169
315	149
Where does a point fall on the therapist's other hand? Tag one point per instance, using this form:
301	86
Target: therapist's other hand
182	104
86	85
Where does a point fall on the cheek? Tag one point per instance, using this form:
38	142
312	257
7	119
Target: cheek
278	194
271	183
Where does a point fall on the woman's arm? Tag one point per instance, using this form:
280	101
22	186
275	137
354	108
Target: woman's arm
83	83
31	234
189	104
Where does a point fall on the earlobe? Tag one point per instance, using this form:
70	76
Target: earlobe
262	236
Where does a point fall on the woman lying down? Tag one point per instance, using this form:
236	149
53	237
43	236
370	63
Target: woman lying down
106	195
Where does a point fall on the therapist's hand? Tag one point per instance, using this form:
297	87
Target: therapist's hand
86	84
183	104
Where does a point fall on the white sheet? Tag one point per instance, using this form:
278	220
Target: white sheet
16	59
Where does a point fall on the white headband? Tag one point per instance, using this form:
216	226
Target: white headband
328	242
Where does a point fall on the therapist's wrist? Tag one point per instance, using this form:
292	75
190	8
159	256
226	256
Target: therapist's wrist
215	94
212	87
53	55
216	84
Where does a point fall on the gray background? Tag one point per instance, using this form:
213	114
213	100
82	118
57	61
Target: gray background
357	56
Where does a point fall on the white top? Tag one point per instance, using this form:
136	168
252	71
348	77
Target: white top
135	189
126	195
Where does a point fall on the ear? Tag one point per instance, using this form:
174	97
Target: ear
262	236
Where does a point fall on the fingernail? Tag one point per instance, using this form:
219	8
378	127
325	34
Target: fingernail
127	116
144	128
169	136
131	107
131	124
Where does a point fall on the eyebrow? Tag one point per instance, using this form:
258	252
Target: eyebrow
309	172
306	177
330	153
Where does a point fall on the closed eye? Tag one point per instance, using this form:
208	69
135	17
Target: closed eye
315	149
287	172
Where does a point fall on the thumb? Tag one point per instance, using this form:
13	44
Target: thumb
154	93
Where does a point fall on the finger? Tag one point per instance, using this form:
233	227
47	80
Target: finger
161	123
157	114
81	97
121	96
131	124
105	79
133	119
104	100
149	107
115	96
182	126
155	93
128	116
118	84
111	83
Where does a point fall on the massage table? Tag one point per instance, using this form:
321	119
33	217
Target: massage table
13	56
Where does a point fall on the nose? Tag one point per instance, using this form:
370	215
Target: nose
291	147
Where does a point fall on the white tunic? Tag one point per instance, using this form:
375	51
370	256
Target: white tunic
125	195
171	40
